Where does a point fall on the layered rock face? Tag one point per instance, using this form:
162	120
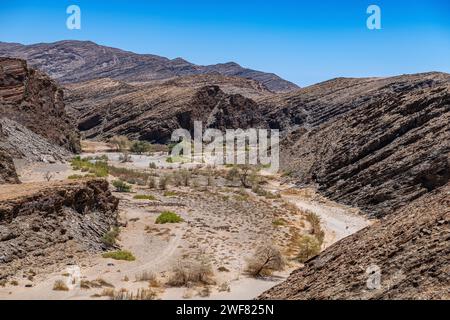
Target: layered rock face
387	145
41	225
75	61
153	111
33	100
7	169
403	256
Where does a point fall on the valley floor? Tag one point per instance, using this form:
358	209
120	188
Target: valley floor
220	224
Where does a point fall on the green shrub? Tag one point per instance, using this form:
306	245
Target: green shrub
169	160
168	217
120	255
110	237
95	167
140	147
279	222
309	247
121	186
152	165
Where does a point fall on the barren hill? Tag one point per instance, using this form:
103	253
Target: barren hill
152	111
75	61
372	143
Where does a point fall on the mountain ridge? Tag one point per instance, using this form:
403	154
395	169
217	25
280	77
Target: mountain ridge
70	61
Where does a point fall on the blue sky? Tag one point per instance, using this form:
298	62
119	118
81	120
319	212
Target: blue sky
302	41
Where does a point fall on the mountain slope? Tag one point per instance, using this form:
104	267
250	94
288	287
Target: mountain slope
151	112
409	248
372	143
32	113
74	61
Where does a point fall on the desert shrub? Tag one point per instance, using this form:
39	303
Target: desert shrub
75	177
120	255
110	237
190	272
144	197
316	228
140	147
121	186
164	181
141	294
169	160
265	260
170	194
125	157
97	168
168	217
152	165
121	143
60	285
148	276
245	174
130	175
309	246
151	182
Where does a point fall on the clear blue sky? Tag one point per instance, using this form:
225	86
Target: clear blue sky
302	41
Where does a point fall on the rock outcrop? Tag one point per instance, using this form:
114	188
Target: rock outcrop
75	61
7	169
151	112
402	256
42	225
34	100
376	144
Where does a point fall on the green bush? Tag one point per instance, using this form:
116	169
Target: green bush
95	167
121	186
120	255
140	147
168	217
309	247
110	237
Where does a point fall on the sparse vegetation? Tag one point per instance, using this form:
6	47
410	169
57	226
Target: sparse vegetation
316	228
120	142
60	285
309	246
111	236
95	167
144	197
189	272
48	176
265	261
140	147
164	181
121	186
168	217
120	255
142	294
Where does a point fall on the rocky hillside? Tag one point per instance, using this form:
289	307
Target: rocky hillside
7	169
377	144
75	61
31	100
409	249
44	225
153	111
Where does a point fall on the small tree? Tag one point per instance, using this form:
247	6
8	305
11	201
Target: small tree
48	176
309	246
266	259
140	147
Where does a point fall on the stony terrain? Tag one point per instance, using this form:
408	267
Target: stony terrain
409	249
34	101
151	112
75	61
7	169
42	225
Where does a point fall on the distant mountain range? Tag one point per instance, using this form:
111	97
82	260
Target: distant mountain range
74	61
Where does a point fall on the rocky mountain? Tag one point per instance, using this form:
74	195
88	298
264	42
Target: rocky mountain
402	256
75	61
7	169
152	111
43	225
32	114
377	144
